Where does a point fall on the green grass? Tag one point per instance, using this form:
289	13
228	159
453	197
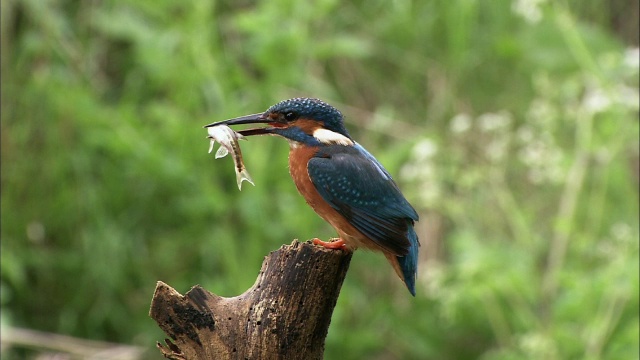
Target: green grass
514	133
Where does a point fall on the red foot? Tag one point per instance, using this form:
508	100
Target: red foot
337	244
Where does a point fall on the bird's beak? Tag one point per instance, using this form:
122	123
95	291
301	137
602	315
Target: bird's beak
247	119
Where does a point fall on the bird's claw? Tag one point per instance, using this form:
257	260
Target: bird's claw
336	244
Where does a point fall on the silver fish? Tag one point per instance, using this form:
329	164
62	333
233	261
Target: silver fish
228	140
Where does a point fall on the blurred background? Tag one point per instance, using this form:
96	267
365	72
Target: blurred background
510	125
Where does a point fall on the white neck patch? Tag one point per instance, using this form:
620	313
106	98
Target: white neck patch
331	137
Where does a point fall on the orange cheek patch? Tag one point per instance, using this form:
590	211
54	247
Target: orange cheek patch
308	126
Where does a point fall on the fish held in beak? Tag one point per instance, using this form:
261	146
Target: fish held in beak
228	140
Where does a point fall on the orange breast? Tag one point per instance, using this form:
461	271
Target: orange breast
298	159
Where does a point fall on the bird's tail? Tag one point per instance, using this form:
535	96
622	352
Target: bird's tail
407	266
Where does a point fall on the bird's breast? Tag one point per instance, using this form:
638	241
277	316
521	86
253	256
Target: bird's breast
299	157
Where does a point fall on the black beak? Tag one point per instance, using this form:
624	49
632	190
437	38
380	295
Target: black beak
247	119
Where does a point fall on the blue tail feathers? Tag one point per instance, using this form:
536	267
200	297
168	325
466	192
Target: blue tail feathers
409	262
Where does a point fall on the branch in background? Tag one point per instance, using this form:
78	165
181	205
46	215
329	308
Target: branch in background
63	344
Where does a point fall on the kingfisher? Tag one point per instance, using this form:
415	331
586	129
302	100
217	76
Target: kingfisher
342	182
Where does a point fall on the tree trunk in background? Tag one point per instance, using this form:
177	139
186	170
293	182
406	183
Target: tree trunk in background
284	315
625	19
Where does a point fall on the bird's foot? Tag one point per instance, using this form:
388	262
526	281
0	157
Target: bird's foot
331	244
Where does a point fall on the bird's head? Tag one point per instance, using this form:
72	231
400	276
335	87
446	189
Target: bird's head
300	120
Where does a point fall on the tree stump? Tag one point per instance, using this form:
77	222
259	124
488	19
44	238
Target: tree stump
284	315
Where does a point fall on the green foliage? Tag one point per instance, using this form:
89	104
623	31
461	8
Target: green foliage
510	125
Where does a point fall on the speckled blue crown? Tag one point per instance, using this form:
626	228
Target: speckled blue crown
313	109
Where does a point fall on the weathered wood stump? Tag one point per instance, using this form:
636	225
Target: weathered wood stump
284	315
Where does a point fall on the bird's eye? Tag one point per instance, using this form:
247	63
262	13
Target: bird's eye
289	116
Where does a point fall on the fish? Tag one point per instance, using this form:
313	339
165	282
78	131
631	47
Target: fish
228	140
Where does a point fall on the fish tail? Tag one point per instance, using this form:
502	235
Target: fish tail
243	176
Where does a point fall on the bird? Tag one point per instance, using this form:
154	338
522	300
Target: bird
342	182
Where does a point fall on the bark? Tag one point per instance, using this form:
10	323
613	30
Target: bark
284	315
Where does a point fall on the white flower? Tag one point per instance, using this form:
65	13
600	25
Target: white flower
35	232
494	121
595	100
621	231
425	149
628	96
497	149
460	123
529	10
632	58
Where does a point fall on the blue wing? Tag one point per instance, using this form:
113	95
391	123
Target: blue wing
354	183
